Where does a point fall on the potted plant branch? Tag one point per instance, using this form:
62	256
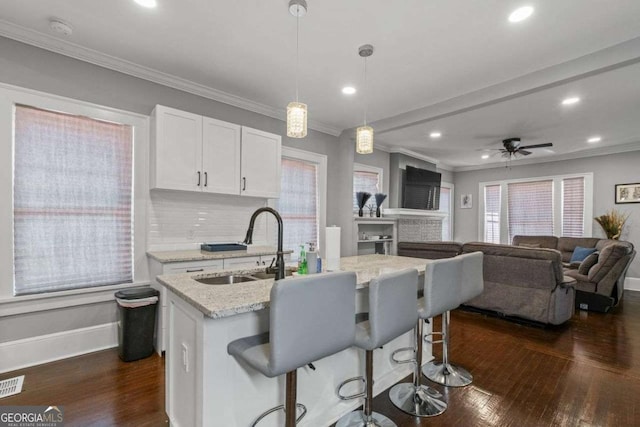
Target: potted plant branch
612	223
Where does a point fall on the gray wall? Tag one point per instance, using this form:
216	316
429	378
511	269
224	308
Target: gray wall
38	69
607	171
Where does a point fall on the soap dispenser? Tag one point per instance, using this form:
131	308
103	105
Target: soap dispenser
302	261
312	259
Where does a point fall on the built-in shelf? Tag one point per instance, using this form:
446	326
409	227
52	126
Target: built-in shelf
375	240
414	213
375	226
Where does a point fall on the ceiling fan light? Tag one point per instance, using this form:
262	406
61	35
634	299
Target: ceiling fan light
296	120
364	140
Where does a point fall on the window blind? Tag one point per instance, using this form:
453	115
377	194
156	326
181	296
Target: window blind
365	181
445	202
73	215
492	213
573	207
298	203
530	208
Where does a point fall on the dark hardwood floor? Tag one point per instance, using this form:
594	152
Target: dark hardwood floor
586	373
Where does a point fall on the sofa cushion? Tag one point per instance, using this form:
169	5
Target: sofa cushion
603	243
567	245
530	245
608	257
549	242
429	250
582	281
580	253
588	262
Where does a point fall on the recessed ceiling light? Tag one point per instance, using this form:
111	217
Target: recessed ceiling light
485	156
348	90
521	14
594	139
435	134
147	3
571	101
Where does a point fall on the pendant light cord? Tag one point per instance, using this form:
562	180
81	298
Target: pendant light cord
365	91
297	47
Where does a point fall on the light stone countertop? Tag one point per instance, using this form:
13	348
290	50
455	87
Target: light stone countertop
198	255
217	301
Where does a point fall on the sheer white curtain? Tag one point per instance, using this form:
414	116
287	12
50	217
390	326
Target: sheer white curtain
530	208
492	213
73	215
365	181
298	203
573	207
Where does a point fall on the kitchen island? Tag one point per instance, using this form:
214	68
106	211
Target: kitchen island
207	387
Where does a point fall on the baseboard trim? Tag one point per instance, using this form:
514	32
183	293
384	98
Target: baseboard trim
632	283
61	345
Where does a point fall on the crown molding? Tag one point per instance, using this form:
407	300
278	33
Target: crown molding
63	47
601	151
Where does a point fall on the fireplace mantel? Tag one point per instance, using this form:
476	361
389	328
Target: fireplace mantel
414	213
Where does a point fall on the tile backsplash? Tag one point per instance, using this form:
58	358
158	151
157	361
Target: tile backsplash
183	220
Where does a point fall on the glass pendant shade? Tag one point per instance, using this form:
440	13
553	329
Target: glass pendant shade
364	140
296	120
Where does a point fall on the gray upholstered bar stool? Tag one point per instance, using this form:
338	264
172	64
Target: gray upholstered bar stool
392	312
441	293
310	318
472	285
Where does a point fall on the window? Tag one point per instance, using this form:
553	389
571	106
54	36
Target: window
73	213
446	200
492	213
367	179
302	198
573	207
530	208
555	205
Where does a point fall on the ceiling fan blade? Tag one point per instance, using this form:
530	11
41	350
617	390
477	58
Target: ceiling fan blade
524	152
548	144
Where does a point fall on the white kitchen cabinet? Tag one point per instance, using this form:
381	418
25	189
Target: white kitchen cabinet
220	156
195	153
176	151
261	163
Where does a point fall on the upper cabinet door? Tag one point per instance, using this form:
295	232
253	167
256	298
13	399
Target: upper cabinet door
261	163
220	156
177	150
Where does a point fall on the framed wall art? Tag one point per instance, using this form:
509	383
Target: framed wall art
628	193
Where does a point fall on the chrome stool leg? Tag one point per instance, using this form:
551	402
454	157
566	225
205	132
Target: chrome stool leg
443	372
290	407
365	418
415	398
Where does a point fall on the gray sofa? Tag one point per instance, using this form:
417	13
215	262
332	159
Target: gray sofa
519	282
599	285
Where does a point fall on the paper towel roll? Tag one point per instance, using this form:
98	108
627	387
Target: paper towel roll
332	245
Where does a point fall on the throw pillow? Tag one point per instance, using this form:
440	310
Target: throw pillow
580	253
530	245
588	262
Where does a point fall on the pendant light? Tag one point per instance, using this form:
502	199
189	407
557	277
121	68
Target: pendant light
364	134
297	111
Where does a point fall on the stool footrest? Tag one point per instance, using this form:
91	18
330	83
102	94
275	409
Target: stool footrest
278	408
352	396
403	349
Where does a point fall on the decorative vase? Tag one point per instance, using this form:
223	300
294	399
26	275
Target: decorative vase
378	214
371	213
360	212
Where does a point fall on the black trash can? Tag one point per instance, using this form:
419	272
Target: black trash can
136	323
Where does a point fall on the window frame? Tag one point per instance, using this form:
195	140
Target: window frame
9	97
320	160
557	203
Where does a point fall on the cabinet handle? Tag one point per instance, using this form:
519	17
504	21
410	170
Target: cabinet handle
198	178
244	183
195	270
206	179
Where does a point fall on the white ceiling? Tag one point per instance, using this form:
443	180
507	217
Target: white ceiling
427	52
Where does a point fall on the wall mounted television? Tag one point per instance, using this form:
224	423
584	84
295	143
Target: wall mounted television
421	189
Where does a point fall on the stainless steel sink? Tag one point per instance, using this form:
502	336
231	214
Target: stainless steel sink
226	280
263	275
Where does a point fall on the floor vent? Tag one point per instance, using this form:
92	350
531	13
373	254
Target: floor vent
11	386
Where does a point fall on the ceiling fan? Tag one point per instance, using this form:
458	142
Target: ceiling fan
512	147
